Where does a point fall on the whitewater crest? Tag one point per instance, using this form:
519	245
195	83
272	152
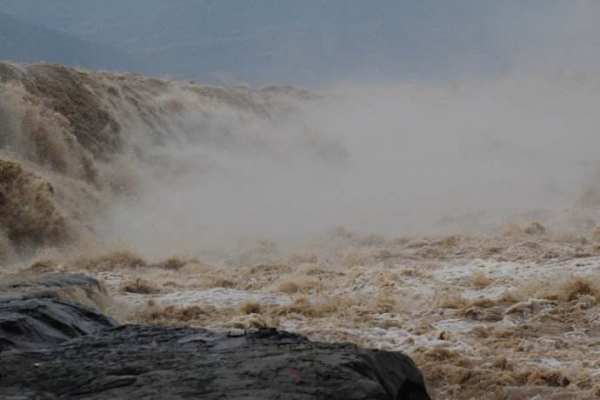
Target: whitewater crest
105	161
75	142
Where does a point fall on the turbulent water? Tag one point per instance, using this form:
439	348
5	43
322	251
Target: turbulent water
164	167
457	222
122	160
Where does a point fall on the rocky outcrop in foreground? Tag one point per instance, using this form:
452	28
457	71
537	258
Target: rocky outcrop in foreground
40	313
54	348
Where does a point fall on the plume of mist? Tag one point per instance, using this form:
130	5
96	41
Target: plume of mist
392	159
387	157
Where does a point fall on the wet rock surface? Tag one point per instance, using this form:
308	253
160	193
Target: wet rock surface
40	312
57	349
38	323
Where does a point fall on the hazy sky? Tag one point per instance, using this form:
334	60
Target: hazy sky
320	41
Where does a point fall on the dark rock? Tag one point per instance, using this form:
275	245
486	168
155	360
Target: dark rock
37	313
38	323
177	363
55	349
35	286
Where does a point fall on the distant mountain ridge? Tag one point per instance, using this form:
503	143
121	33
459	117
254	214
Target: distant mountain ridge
27	42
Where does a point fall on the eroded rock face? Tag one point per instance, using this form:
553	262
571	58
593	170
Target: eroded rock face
42	312
51	348
40	323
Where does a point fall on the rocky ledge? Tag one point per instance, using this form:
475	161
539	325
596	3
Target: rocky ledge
54	348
